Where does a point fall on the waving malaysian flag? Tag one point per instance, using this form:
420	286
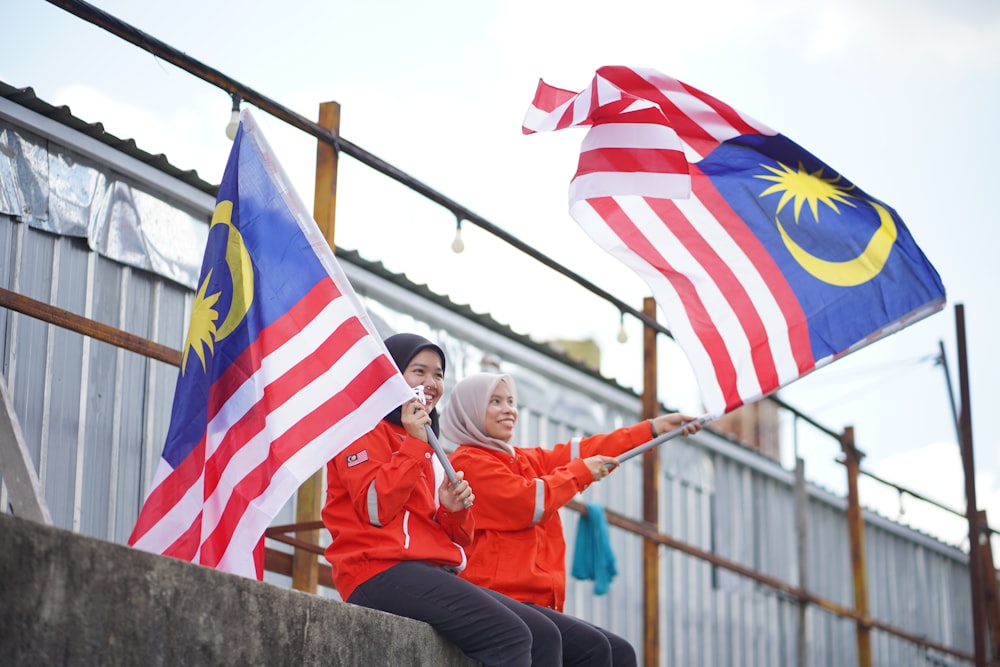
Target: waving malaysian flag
766	262
281	370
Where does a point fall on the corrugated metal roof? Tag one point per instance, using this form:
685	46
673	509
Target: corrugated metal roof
27	98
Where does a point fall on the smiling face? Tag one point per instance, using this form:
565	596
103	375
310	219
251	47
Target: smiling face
425	368
501	413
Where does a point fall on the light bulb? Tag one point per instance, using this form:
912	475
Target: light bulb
234	124
457	245
234	117
622	336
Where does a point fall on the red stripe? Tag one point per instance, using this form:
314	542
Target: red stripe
277	392
271	338
549	98
730	114
655	160
305	431
169	492
764	264
697	314
185	547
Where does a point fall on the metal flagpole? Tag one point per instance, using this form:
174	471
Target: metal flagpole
975	534
663	437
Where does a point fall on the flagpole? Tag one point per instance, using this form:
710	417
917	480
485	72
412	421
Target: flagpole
449	469
663	437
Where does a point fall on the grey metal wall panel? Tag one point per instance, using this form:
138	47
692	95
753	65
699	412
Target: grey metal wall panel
57	470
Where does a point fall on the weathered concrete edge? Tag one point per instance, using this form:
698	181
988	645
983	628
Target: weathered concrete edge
72	600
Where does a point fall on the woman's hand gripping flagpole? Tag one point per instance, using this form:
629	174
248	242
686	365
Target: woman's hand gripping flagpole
432	440
663	437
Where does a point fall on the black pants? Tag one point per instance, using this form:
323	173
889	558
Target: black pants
485	625
586	644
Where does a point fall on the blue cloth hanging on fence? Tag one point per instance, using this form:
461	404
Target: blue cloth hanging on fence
592	556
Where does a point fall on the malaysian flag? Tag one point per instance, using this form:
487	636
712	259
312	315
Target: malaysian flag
766	262
281	370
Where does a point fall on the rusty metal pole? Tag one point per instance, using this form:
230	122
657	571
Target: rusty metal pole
650	499
856	534
309	500
968	464
991	595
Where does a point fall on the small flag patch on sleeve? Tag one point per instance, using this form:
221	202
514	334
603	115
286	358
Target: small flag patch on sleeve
356	458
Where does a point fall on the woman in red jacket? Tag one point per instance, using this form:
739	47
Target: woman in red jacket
519	549
397	544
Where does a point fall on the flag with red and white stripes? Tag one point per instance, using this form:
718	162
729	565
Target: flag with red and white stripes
766	262
281	369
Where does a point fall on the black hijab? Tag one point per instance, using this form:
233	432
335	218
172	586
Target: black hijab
402	348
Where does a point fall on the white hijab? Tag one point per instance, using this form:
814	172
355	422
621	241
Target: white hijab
464	419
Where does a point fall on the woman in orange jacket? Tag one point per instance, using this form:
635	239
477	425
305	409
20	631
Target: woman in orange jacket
519	549
400	530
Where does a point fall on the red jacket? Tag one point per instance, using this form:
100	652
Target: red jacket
519	549
380	509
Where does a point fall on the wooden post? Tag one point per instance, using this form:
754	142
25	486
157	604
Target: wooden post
309	501
856	534
650	499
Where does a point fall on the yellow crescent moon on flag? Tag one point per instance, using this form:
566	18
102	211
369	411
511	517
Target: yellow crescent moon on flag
240	270
852	272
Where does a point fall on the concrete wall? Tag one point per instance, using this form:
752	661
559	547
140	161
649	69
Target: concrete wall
72	600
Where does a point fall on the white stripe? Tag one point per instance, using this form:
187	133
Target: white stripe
177	519
631	135
607	92
581	107
546	121
639	184
574	448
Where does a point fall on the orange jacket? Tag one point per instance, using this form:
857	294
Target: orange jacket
519	549
380	509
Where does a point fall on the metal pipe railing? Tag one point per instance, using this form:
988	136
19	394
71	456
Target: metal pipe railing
160	49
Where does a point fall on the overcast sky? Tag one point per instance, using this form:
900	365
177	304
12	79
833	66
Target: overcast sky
900	96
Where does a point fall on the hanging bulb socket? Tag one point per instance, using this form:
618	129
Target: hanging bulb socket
622	336
234	118
458	245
